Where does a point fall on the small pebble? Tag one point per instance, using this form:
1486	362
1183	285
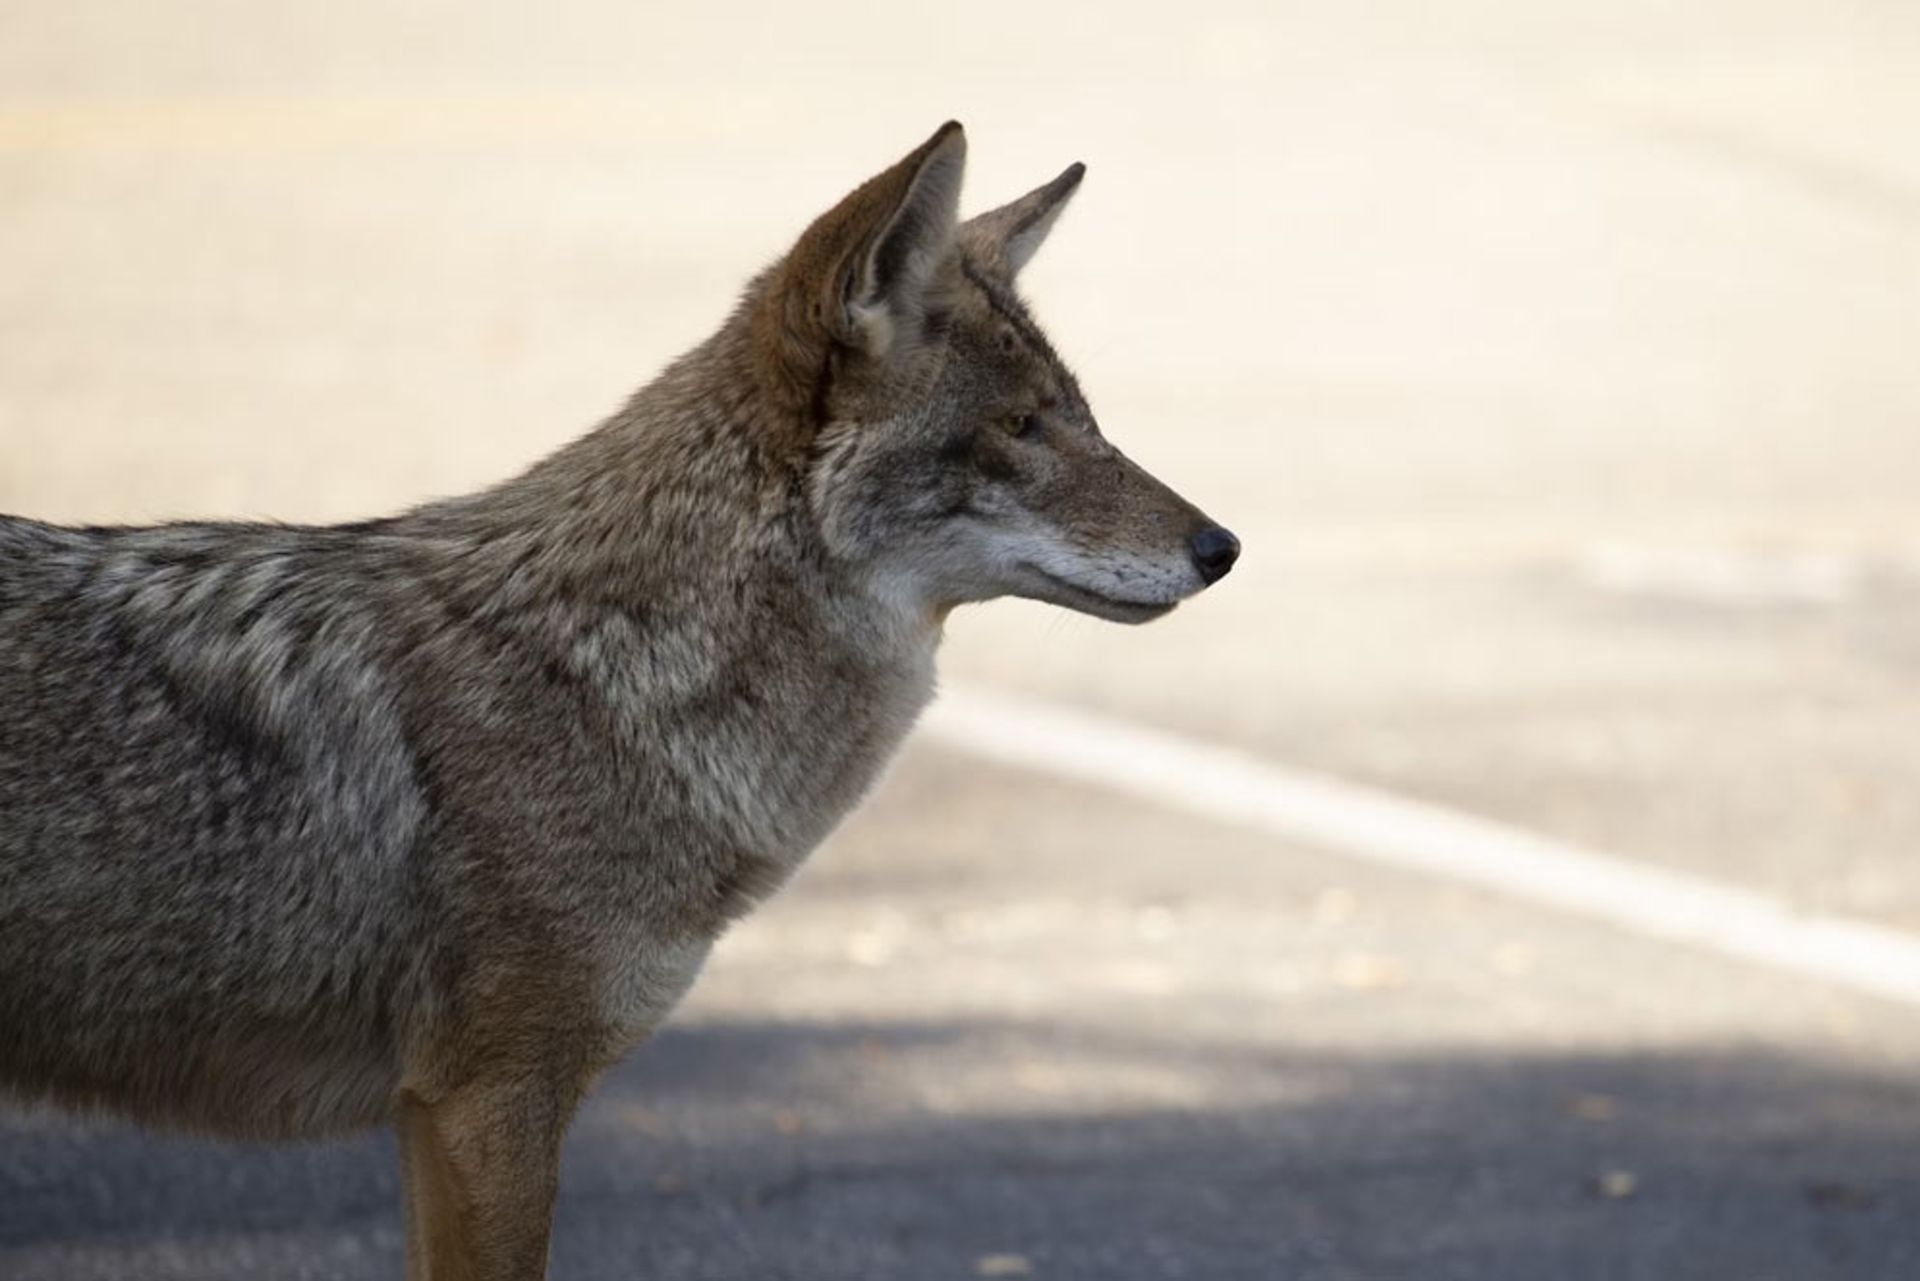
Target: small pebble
1616	1185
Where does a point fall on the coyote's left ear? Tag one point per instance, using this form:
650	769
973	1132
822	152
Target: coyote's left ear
1005	238
858	278
918	201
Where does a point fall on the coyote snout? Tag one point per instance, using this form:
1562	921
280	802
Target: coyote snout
1119	544
428	820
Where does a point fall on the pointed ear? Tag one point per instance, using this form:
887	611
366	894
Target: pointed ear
1005	238
857	278
919	203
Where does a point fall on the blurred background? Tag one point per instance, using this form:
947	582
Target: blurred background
1558	365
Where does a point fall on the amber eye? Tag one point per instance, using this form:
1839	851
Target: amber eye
1023	424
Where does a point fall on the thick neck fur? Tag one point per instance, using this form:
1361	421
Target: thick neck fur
693	493
670	562
660	505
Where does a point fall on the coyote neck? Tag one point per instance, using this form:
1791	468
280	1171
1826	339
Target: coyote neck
669	566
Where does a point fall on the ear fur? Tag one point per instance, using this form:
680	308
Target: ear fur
1005	238
889	282
857	278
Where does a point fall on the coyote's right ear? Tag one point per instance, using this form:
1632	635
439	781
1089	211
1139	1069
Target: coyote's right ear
859	275
1005	238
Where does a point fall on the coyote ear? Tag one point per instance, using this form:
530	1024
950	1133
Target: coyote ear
917	203
1005	238
858	276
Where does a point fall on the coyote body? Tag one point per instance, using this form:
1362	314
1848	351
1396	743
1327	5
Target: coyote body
286	808
429	819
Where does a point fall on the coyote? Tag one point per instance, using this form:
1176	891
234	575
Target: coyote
430	819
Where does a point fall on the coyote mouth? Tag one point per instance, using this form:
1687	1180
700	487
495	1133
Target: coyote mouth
1114	608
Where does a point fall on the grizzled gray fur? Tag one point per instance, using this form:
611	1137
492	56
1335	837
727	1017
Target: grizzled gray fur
427	820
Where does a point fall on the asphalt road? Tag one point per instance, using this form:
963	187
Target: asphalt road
1004	1028
1556	364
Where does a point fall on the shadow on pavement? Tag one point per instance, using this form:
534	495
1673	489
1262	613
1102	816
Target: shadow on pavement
825	1152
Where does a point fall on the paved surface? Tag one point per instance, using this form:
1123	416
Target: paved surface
1000	1019
1557	364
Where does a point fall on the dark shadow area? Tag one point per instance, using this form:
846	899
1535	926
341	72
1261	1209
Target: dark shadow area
819	1153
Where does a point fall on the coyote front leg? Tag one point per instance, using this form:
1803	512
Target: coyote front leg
482	1164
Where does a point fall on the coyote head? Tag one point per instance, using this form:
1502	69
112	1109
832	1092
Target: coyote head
951	451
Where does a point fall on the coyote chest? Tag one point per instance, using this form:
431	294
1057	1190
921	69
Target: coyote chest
764	776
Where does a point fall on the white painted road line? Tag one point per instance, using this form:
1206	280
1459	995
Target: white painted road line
1229	786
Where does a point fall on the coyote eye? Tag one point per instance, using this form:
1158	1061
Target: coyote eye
1023	424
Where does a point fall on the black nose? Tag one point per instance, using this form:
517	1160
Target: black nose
1214	551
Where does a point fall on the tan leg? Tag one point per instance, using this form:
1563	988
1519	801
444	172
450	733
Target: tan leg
481	1167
